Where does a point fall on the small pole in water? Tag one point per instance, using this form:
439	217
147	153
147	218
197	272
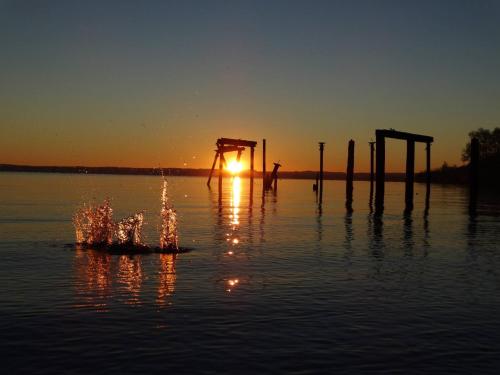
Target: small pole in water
221	161
474	169
321	148
263	165
349	176
380	174
372	170
410	174
252	153
427	177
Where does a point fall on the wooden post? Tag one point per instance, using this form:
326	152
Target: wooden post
321	148
410	174
428	163
221	161
380	176
427	177
372	172
213	167
252	153
263	165
273	177
349	175
372	169
474	166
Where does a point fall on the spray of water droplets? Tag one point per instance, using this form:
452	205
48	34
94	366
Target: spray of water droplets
169	238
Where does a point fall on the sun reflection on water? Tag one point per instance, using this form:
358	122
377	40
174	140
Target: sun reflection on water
166	279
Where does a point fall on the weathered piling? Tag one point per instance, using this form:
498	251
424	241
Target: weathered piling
252	155
213	167
349	176
474	167
221	161
372	172
380	182
427	177
263	165
321	148
380	135
273	177
410	174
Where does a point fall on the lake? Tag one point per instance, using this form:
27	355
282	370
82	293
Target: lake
276	286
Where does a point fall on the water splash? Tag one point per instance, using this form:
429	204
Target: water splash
94	225
169	238
129	230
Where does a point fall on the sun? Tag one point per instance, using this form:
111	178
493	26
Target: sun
234	167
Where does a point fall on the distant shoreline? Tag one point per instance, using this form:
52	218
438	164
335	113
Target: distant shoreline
297	175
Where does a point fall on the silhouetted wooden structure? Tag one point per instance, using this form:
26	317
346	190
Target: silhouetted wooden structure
372	171
263	166
349	176
381	135
474	169
272	178
225	145
321	149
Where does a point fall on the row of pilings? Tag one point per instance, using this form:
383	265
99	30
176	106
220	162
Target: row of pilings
378	175
377	169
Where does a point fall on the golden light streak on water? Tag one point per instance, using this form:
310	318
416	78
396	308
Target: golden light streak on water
166	279
130	276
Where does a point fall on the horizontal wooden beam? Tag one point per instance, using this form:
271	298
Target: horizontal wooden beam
236	142
390	133
230	149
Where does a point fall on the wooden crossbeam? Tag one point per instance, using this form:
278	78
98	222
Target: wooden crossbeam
235	142
391	133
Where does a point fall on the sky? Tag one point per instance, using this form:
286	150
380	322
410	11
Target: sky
155	83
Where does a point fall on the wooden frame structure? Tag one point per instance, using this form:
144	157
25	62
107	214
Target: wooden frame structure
380	136
225	145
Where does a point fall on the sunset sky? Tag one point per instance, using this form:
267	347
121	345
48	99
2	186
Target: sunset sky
155	83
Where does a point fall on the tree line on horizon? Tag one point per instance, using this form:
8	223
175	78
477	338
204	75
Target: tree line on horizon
489	156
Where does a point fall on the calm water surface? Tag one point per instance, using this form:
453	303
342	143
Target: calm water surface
270	287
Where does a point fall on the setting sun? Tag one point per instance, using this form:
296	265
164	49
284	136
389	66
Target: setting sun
234	167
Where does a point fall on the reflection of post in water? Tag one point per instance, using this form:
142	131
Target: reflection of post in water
166	278
376	231
349	236
262	218
427	199
408	232
130	276
319	225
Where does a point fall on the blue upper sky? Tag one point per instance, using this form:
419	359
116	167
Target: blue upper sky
148	83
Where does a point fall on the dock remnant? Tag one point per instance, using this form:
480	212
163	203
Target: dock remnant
321	149
380	135
474	168
273	178
349	176
263	165
372	171
225	145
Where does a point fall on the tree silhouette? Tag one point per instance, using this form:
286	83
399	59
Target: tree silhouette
489	141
